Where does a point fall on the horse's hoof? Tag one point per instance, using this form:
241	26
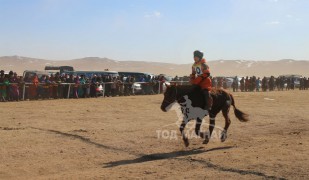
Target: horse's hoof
202	135
223	136
206	141
186	142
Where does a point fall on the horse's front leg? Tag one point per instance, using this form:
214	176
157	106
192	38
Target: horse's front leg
207	137
182	128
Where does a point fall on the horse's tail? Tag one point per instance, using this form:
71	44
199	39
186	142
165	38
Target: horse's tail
241	116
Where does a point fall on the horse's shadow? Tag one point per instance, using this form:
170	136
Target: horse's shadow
162	156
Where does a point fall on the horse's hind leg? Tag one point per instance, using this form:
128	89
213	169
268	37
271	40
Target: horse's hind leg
198	127
225	112
212	119
184	138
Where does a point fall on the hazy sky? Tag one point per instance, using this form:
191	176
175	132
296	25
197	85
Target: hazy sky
155	30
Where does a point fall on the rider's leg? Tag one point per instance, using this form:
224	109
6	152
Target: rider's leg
206	99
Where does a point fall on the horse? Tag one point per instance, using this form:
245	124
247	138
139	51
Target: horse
221	101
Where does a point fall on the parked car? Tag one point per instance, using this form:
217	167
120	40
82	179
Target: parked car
30	73
136	75
137	88
89	74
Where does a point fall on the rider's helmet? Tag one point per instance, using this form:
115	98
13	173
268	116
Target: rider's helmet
198	54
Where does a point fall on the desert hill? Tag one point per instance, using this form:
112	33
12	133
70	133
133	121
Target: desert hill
218	67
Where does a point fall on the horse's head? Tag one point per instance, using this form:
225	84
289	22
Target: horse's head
170	96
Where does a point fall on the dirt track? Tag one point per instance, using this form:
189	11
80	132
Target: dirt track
117	138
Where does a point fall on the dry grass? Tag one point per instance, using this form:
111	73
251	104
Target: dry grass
117	138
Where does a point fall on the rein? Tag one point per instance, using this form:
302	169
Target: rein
176	93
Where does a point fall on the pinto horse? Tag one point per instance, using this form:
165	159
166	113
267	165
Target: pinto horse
222	101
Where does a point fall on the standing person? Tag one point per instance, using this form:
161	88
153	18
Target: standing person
224	83
82	88
93	86
282	82
253	83
127	86
14	87
242	84
4	83
258	84
114	87
120	86
247	83
108	86
76	87
288	84
292	83
277	82
201	76
70	79
272	84
56	86
142	79
306	83
235	84
34	87
47	87
161	80
264	84
131	87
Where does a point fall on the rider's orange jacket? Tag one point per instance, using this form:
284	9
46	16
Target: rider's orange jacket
203	81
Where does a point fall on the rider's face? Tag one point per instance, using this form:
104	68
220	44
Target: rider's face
196	59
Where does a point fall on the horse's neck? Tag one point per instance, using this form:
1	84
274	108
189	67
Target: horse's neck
185	91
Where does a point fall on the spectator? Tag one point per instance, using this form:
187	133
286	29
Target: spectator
224	83
83	87
108	86
46	87
161	81
120	86
114	86
57	87
76	87
93	86
258	84
4	83
34	87
242	84
14	87
264	84
272	83
247	84
235	84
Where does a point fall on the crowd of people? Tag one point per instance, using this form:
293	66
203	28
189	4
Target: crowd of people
250	84
253	83
59	86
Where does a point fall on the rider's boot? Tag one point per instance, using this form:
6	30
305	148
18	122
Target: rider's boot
206	99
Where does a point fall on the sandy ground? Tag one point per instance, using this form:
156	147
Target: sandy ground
120	138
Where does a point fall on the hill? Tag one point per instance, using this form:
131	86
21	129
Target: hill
218	67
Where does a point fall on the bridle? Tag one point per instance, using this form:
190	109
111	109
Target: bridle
176	99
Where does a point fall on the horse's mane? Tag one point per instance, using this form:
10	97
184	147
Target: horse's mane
186	89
